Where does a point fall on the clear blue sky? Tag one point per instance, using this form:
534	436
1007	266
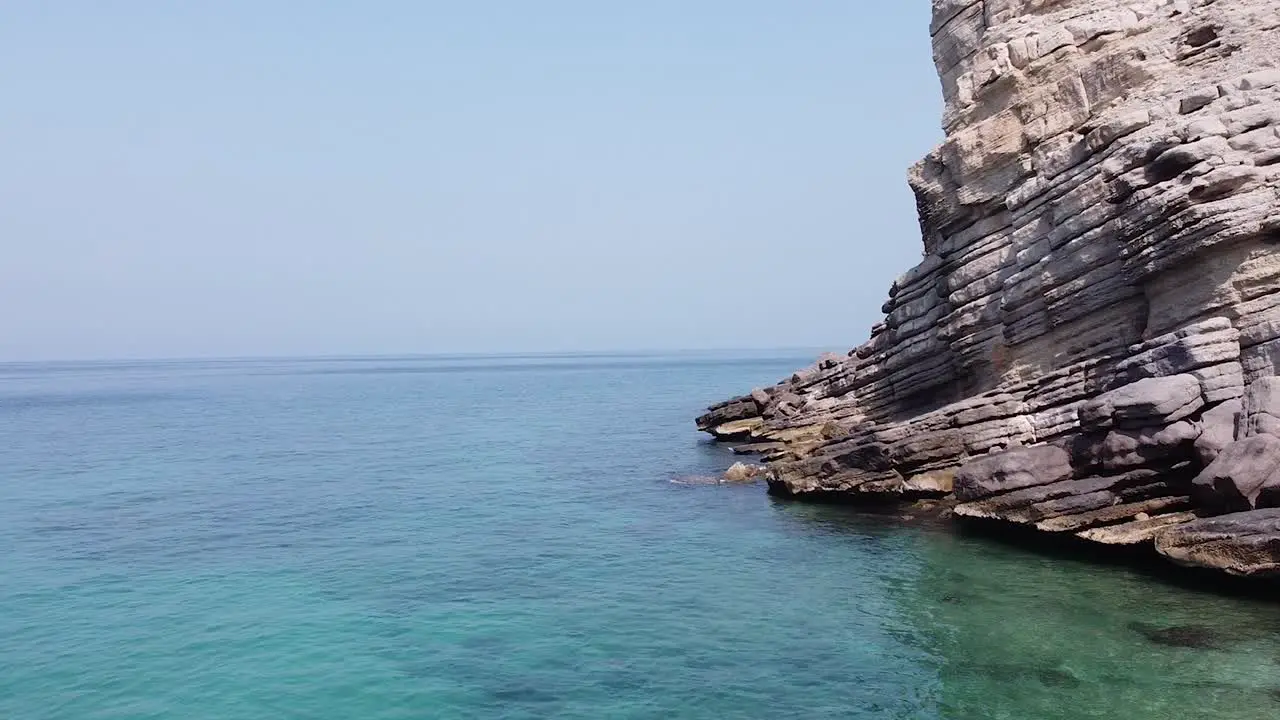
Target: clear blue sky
259	178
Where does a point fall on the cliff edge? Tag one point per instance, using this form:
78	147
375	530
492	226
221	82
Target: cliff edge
1091	342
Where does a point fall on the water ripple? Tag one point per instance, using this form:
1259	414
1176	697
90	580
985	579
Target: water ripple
497	538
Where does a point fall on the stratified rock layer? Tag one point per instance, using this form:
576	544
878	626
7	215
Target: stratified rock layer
1100	280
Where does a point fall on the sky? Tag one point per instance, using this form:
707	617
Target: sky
258	177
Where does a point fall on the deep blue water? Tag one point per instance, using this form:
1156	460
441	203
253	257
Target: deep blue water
501	538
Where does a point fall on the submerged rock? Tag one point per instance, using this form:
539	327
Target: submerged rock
1058	677
1099	293
1186	636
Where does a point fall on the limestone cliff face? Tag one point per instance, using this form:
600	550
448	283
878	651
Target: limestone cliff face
1100	282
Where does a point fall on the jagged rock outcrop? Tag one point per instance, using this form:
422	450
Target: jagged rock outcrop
1089	343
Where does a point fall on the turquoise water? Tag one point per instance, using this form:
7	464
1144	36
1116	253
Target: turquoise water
501	538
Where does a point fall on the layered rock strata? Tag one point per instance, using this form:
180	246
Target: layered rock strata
1089	343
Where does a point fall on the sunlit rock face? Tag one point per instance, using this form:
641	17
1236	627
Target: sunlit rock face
1101	273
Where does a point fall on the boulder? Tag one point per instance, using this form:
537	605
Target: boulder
1149	402
1233	481
1012	470
742	472
761	397
1218	430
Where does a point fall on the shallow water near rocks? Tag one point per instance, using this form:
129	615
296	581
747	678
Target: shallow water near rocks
501	538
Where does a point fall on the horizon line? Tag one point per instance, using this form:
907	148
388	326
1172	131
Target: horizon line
816	349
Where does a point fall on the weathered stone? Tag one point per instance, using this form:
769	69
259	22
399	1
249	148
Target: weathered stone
738	429
1218	430
1262	407
1112	514
1078	504
1246	543
736	410
1197	99
1182	355
1018	506
1220	382
761	397
1140	531
1160	447
1146	403
1011	470
932	483
1234	479
764	448
742	472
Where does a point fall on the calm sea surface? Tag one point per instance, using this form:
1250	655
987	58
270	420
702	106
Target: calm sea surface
369	539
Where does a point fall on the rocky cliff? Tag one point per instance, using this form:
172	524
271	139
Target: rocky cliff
1090	343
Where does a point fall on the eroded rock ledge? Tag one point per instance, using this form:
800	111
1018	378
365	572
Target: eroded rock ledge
1090	343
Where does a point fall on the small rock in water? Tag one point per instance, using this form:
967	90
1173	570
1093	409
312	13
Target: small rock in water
1057	677
523	694
742	472
1185	636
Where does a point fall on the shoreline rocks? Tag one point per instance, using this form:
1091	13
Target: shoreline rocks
742	473
738	474
1090	345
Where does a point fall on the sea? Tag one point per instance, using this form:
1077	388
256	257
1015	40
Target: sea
519	537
